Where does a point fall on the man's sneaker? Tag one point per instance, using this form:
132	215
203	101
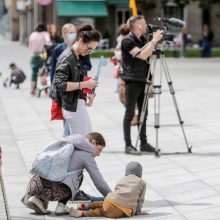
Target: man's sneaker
82	196
36	204
147	148
62	209
75	213
97	198
131	150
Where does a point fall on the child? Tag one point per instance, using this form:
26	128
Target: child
125	201
17	76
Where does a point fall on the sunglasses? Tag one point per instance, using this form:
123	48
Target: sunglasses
89	49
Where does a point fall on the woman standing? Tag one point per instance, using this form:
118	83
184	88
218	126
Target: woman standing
69	36
37	41
68	81
207	38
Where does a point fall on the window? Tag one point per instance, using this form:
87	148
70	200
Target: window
174	12
122	16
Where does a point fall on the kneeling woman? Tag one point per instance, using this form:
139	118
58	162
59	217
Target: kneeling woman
40	191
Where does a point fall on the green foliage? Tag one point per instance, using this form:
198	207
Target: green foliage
105	53
192	53
189	53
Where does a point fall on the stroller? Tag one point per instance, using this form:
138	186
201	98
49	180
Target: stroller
43	82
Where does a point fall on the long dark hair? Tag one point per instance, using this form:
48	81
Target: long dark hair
40	28
88	33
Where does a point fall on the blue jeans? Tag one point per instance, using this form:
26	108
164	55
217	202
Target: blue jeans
66	130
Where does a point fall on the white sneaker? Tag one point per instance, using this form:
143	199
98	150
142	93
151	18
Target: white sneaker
36	204
24	200
62	209
75	213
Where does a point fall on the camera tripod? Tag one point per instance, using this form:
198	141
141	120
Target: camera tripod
158	54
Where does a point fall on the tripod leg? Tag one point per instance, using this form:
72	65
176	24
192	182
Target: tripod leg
157	92
172	92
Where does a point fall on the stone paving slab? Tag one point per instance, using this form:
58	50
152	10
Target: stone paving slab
180	186
3	213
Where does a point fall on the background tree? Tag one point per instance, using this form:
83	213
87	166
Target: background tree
204	4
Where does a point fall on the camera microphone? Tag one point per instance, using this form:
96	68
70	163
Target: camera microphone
173	22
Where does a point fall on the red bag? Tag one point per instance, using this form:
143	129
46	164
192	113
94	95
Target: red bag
85	90
56	111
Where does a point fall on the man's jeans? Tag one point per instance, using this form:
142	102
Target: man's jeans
134	94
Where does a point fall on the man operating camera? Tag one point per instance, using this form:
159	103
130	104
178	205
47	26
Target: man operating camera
135	70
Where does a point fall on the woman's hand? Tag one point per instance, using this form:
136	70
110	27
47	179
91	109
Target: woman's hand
90	98
89	84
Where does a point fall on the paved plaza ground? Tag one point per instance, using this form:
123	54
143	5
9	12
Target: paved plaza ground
179	186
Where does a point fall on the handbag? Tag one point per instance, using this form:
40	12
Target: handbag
56	111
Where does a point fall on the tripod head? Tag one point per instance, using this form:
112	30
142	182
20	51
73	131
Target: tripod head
158	52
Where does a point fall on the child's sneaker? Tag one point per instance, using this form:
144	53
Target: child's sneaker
75	213
80	206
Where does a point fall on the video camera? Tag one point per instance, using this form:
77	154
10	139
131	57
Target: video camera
170	27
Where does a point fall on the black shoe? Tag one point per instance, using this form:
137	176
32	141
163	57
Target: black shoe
82	196
5	84
147	148
131	150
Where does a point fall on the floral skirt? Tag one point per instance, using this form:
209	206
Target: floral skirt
48	190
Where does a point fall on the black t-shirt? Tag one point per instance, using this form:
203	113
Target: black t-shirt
134	69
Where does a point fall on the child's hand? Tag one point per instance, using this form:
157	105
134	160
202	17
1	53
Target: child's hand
144	213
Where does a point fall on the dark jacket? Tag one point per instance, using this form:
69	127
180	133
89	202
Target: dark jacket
68	69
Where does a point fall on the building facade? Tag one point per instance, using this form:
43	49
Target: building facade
106	15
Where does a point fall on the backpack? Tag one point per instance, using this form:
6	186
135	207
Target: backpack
52	163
